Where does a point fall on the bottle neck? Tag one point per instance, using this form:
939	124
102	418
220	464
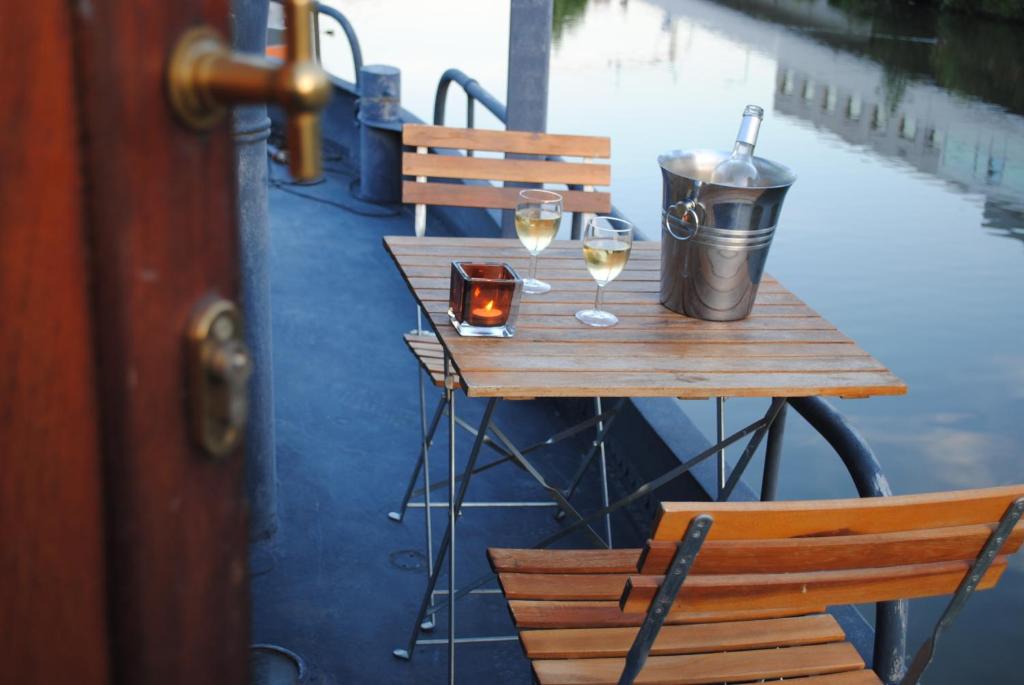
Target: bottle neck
742	150
749	127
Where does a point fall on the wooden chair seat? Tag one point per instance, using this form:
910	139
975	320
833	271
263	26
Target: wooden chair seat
429	353
715	666
752	603
566	606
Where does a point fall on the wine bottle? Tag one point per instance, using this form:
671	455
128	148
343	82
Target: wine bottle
739	169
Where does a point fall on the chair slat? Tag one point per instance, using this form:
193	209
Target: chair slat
865	677
519	142
790	555
429	353
491	197
697	669
593	614
519	170
803	590
563	560
763	520
571	586
589	643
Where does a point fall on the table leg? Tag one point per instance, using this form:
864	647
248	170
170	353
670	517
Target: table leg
446	539
773	457
759	428
453	505
554	492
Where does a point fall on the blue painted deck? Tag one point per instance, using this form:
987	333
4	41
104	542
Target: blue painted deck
334	584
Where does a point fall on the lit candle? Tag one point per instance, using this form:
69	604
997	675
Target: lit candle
488	313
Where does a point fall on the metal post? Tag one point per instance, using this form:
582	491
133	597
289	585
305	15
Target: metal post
773	457
529	57
380	134
251	128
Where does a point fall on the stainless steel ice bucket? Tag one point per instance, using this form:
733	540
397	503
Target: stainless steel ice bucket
715	238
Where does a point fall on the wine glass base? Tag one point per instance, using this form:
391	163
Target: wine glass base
597	317
531	286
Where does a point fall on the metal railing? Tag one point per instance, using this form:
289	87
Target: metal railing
890	617
477	93
474	93
350	33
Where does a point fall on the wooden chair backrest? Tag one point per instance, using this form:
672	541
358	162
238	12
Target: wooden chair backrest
425	164
809	554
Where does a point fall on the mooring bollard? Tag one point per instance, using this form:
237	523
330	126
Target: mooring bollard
380	134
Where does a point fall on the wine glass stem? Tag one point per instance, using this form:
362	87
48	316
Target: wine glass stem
597	298
533	266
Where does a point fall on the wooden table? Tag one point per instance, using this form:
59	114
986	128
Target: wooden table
783	350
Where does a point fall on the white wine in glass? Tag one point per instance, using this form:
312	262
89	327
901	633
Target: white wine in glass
607	242
538	215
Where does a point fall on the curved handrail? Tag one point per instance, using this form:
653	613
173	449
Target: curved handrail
890	617
350	33
474	93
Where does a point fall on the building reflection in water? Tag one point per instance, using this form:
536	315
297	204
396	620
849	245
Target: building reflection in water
938	133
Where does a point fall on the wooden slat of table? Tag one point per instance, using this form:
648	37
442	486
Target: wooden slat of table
784	349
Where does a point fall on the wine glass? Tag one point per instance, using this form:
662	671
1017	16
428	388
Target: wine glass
606	245
537	217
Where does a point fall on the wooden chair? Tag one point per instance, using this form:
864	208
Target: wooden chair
753	604
538	170
437	183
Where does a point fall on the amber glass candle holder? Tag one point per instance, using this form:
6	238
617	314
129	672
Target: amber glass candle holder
484	299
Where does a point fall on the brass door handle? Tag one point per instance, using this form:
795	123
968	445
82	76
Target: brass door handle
204	76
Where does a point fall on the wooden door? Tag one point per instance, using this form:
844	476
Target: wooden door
122	547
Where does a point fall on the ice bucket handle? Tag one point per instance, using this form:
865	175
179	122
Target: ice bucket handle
689	208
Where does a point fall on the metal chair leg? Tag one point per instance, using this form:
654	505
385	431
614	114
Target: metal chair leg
604	474
427	442
429	623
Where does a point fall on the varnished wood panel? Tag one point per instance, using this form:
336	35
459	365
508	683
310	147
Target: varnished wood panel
162	216
520	142
53	625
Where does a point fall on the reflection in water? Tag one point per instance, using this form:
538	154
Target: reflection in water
929	129
564	15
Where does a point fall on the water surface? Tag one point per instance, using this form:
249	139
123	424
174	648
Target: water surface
905	228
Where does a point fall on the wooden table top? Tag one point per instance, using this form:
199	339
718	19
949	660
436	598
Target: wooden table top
784	349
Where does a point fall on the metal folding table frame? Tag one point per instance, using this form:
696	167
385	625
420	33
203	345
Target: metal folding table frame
456	496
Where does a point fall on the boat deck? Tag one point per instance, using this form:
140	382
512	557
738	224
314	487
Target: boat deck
339	583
